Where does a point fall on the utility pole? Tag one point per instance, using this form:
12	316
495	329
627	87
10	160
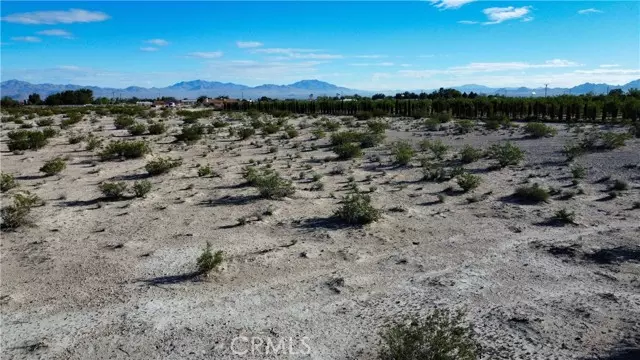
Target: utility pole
545	89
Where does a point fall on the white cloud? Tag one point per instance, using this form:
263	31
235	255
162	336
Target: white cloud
589	11
158	42
426	56
467	22
206	54
496	15
56	32
31	39
292	53
56	17
373	64
609	65
375	56
284	51
149	49
507	66
449	4
69	67
248	44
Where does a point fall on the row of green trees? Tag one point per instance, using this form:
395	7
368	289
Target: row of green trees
69	97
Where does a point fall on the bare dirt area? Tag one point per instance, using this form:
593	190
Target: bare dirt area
94	278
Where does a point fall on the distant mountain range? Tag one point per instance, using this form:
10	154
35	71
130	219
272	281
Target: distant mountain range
20	90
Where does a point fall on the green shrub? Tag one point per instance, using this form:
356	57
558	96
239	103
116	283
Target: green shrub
142	188
464	126
93	142
45	122
123	121
345	137
564	216
377	126
538	130
191	133
578	172
572	150
619	185
114	190
612	140
50	132
442	335
16	215
403	152
371	139
53	166
506	154
271	186
443	117
432	124
137	129
434	172
73	119
437	147
161	165
468	181
357	209
27	140
205	171
157	128
246	132
76	139
7	182
291	132
318	133
124	149
469	154
492	124
208	261
532	194
347	151
363	115
330	125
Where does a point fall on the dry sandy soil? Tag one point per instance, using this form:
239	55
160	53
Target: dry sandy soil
95	279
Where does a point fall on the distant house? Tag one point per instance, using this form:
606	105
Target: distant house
188	102
144	103
220	103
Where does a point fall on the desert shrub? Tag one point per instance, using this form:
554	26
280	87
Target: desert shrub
161	165
432	124
113	190
464	126
347	151
53	166
123	121
357	209
506	154
45	122
208	261
363	115
619	185
270	128
318	133
434	172
205	171
76	139
271	186
246	132
191	133
468	181
538	130
219	124
377	126
345	137
437	147
578	172
611	140
137	129
531	194
93	142
492	124
329	125
291	132
7	182
572	150
16	215
141	188
73	119
443	117
564	216
403	152
157	128
26	140
50	132
442	335
419	114
124	149
469	154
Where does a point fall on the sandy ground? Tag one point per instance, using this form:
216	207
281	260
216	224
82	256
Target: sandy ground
97	280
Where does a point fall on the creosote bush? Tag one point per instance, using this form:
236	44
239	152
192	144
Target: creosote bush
205	171
124	149
619	185
578	172
464	126
403	152
469	154
142	188
123	122
208	261
468	181
506	154
442	335
45	122
564	216
113	190
161	165
356	209
437	147
432	124
16	215
347	151
246	132
538	130
53	166
27	139
191	133
157	128
272	186
532	194
7	182
137	129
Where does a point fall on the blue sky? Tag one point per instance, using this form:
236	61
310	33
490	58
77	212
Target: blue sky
363	45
